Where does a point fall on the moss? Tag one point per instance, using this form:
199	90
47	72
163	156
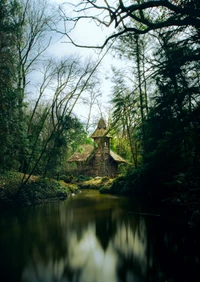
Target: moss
105	179
42	190
105	190
96	183
90	184
82	178
119	186
67	178
36	191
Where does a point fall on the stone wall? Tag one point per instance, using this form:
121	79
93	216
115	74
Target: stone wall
102	166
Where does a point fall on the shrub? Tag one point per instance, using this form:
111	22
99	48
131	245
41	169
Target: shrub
82	178
66	178
118	185
105	179
105	190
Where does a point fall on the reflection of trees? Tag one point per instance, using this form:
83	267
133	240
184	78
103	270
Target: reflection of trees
124	255
92	242
99	246
130	242
83	240
88	258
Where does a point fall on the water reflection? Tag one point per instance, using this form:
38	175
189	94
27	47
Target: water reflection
89	260
88	238
98	238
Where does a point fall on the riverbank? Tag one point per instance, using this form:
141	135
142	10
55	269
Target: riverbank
42	190
38	190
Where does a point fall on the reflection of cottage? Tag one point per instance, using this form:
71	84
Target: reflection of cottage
98	160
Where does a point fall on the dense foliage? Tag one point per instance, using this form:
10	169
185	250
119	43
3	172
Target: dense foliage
9	110
156	100
36	135
168	133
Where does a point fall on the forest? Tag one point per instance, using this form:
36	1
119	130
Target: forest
154	111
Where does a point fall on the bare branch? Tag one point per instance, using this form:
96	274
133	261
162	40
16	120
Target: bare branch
175	15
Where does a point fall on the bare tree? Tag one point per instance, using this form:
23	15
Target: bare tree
136	16
68	80
34	19
91	101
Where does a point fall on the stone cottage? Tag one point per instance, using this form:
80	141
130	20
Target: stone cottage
98	159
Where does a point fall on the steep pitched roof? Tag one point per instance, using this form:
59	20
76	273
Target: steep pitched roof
101	124
101	130
85	151
117	158
82	154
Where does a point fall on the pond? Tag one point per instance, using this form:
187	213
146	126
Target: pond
95	238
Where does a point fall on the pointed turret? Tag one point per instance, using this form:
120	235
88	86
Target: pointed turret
100	131
99	160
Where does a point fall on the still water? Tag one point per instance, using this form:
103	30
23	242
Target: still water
95	238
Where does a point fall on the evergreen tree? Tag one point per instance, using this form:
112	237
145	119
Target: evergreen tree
172	125
9	115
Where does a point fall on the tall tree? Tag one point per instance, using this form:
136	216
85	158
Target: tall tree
91	101
132	50
33	20
51	127
9	118
125	117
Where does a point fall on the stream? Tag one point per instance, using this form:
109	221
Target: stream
95	238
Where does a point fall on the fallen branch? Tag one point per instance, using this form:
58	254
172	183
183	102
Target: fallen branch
145	214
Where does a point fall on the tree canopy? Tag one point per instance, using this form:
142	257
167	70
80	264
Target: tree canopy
38	126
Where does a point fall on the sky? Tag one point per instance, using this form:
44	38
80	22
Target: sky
88	33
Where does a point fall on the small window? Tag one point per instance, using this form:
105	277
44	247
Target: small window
105	144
